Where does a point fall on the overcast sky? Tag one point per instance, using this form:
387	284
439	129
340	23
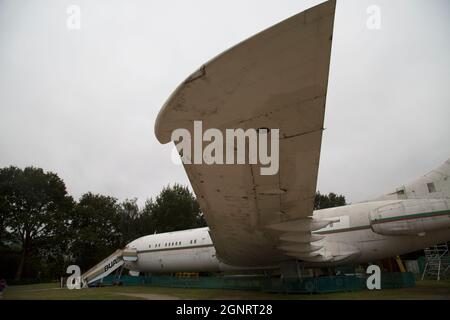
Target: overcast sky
82	103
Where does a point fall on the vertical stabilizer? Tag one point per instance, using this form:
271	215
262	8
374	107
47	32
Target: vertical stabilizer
433	185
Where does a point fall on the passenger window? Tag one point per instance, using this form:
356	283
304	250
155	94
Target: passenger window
431	187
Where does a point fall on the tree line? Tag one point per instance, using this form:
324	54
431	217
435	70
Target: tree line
43	229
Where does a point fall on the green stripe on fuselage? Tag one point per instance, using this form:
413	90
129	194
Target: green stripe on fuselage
413	216
177	248
342	230
356	228
390	219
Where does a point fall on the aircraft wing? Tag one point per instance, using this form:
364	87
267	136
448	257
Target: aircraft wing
276	79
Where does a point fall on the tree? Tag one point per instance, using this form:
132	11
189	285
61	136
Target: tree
323	201
4	210
146	221
95	229
129	221
35	205
175	208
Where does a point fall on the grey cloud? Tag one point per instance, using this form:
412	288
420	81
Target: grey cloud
83	103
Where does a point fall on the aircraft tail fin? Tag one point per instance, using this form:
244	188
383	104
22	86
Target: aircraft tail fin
433	185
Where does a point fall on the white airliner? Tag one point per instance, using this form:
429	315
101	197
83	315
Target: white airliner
413	217
278	79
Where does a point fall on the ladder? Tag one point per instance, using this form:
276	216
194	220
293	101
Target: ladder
437	260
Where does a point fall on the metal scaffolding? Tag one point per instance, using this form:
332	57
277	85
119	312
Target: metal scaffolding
437	260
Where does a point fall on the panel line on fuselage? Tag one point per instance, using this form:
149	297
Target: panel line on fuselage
387	220
176	248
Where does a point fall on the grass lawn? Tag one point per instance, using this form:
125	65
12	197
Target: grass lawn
426	289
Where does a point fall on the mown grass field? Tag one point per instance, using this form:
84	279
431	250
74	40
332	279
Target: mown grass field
426	289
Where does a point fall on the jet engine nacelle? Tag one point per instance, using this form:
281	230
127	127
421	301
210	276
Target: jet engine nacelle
411	217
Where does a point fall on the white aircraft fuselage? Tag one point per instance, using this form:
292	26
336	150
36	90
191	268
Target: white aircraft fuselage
358	232
413	217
